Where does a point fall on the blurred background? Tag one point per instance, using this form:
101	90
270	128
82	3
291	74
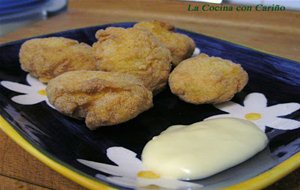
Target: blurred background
289	4
15	14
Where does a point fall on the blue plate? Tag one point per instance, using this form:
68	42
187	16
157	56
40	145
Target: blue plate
92	158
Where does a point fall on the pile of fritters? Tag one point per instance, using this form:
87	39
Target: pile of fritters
114	80
180	45
102	98
135	52
203	79
46	58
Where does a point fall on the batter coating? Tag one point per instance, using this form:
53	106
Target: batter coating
180	45
203	79
136	52
46	58
102	98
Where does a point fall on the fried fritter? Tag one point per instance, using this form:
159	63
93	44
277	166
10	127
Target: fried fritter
180	45
46	58
102	98
135	52
203	79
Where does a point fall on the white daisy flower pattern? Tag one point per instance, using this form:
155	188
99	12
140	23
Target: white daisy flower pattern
33	93
255	109
130	172
196	52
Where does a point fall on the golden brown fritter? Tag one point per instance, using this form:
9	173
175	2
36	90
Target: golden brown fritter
203	79
135	52
46	58
102	98
180	45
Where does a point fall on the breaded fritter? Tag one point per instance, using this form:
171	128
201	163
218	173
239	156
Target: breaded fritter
135	52
203	79
46	58
180	45
102	98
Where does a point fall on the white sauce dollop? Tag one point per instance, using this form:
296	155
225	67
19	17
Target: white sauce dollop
202	149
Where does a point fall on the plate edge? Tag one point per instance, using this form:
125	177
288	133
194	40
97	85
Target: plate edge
269	177
258	182
63	170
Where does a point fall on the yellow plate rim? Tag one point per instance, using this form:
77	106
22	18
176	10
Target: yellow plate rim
258	182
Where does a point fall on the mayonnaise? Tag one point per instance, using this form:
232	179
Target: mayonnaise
202	149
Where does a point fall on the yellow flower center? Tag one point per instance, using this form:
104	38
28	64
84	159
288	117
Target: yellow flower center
148	175
42	92
253	116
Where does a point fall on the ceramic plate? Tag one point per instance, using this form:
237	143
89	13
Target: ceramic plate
110	156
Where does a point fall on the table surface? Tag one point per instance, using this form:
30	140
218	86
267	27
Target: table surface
274	32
